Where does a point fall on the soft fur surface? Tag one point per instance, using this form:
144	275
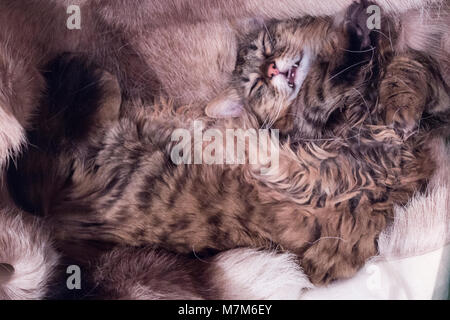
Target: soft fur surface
253	274
25	245
20	87
146	274
413	261
26	249
24	36
12	137
424	224
125	191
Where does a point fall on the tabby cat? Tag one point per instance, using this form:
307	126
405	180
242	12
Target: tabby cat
185	37
32	32
335	94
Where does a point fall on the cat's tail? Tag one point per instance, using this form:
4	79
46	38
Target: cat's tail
79	100
146	273
27	259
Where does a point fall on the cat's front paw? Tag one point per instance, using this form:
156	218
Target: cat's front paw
355	25
403	94
403	112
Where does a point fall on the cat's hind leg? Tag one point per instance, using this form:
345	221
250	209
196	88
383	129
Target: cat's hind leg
79	100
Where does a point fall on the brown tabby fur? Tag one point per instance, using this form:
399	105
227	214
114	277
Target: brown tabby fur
127	37
336	186
328	202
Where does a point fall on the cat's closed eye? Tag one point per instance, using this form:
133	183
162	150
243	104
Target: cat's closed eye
267	45
258	82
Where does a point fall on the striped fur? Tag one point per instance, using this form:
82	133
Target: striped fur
107	30
328	203
327	172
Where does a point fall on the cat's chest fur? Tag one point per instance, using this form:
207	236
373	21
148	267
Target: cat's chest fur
134	194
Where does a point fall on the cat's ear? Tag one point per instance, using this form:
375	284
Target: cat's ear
227	105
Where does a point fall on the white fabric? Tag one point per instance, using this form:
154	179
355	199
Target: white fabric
420	277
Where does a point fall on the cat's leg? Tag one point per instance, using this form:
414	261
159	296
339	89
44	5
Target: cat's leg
331	243
410	86
80	100
347	240
244	273
338	206
408	82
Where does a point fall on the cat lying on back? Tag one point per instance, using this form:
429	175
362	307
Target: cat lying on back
273	65
337	182
128	37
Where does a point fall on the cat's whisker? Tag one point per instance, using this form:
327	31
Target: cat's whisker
197	257
268	33
395	113
359	133
342	71
324	238
326	139
92	290
34	146
275	117
263	126
387	37
365	103
358	51
368	66
315	139
124	46
390	36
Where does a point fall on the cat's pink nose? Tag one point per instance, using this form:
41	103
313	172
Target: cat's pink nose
272	70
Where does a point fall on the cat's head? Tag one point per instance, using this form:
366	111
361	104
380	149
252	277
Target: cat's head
294	74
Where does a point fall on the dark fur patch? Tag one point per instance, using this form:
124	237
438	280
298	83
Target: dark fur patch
64	117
